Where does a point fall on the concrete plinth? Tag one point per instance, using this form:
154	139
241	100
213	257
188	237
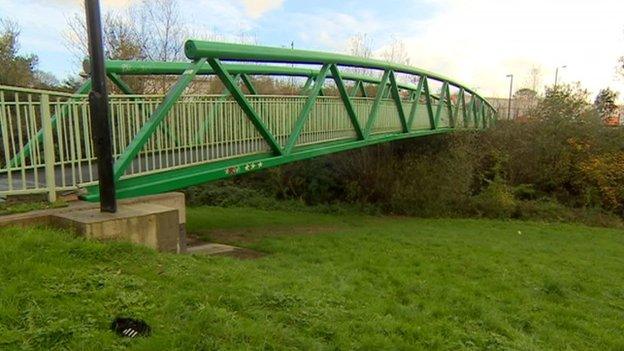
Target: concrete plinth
151	225
157	221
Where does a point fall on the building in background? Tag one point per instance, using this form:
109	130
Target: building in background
521	104
616	119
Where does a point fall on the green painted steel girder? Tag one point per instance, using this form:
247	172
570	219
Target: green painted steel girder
346	99
396	95
141	68
381	91
195	49
245	105
175	179
146	131
305	111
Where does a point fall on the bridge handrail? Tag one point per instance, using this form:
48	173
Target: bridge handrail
197	49
41	91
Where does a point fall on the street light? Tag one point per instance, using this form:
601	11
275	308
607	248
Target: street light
557	74
98	106
510	93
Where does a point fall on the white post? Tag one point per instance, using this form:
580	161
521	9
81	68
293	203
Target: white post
48	147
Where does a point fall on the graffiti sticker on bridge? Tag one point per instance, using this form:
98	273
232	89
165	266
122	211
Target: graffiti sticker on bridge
253	165
231	171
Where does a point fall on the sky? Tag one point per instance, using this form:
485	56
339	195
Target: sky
477	42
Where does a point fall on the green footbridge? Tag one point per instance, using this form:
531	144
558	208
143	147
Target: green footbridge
187	137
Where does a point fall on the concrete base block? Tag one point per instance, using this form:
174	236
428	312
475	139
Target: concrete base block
157	221
151	225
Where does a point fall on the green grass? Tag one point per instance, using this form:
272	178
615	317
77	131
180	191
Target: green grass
327	283
27	206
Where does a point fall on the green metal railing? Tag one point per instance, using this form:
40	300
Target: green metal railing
167	142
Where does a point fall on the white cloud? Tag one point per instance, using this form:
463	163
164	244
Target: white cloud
331	30
481	41
257	8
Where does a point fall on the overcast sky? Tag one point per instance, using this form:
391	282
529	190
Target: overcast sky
477	42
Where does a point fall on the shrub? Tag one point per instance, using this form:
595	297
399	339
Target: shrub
496	200
603	176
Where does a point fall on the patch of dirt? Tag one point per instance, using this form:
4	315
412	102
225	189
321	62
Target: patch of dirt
252	235
238	252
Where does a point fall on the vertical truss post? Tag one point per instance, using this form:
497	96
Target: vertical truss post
305	111
441	102
347	100
363	90
307	85
416	99
123	86
248	84
449	106
475	118
394	90
429	103
148	129
461	104
381	91
484	122
479	114
244	104
356	88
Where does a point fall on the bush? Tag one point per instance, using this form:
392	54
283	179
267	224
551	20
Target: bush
495	201
561	164
228	194
603	177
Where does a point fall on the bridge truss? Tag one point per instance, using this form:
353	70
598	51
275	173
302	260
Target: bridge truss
164	143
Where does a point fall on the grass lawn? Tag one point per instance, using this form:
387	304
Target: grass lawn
326	282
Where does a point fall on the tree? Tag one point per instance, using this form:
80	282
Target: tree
362	46
121	38
151	30
605	104
564	103
15	69
534	78
46	79
396	52
525	93
160	26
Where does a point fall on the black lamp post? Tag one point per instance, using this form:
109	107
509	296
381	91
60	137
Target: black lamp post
98	106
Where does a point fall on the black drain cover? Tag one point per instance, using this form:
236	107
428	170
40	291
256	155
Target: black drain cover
130	328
